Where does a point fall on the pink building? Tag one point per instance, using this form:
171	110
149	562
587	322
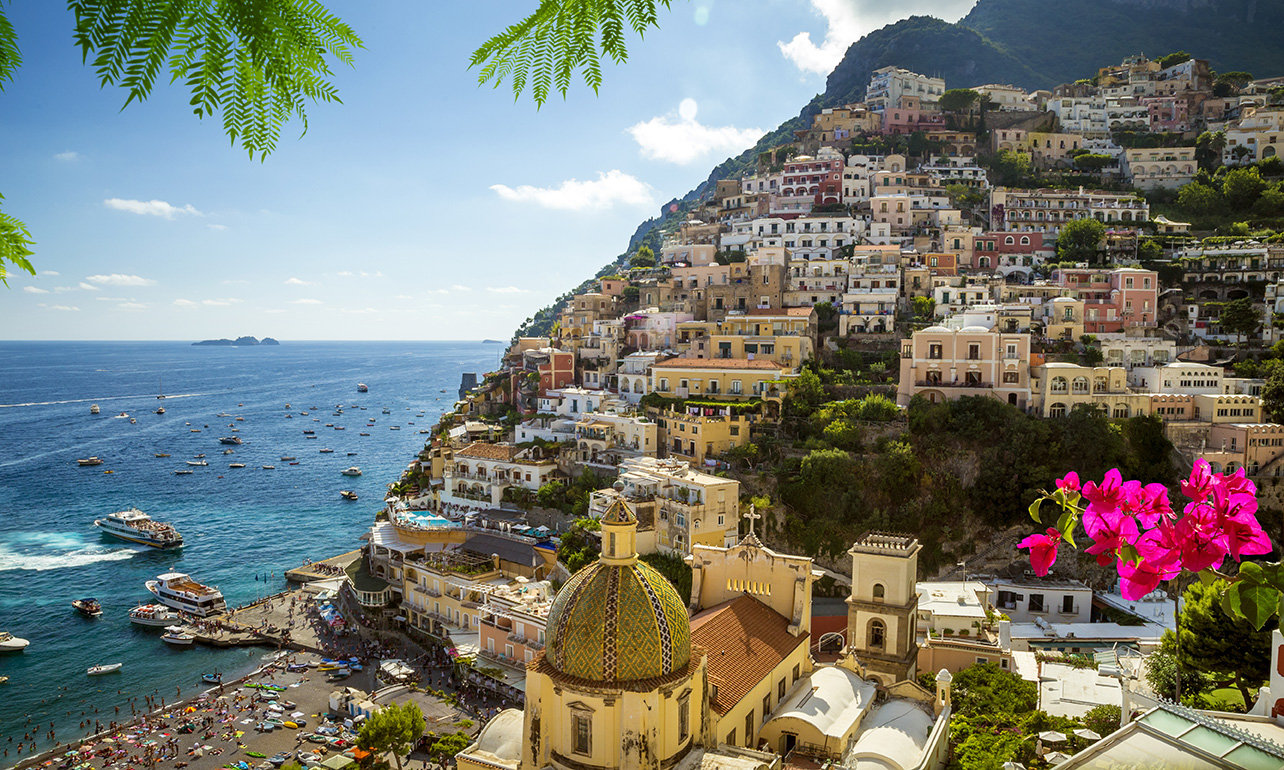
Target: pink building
1167	113
908	120
1114	300
819	178
989	250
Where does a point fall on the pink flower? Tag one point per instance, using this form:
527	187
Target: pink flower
1070	483
1200	483
1108	497
1202	543
1150	504
1109	539
1161	546
1244	537
1137	580
1043	550
1237	483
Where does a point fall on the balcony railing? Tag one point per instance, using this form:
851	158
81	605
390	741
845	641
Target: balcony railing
942	384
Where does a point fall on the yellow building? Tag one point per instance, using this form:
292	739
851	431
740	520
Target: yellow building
696	433
733	379
677	507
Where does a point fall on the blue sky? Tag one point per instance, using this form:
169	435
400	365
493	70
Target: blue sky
424	207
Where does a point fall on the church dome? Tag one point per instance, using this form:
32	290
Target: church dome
618	623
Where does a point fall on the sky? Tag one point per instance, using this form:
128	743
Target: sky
422	207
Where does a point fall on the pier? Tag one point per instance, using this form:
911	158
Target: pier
325	569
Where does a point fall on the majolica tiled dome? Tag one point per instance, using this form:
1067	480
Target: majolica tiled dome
618	623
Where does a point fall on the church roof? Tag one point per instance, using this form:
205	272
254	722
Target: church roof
619	513
613	623
745	640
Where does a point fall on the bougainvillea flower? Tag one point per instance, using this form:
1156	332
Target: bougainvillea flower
1107	497
1202	543
1200	483
1161	546
1237	483
1070	482
1109	540
1043	550
1244	537
1150	504
1137	580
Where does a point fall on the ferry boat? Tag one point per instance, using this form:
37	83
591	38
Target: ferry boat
11	643
234	440
88	606
137	527
88	461
361	388
156	615
178	590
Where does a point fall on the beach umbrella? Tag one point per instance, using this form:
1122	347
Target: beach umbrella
1052	736
1013	766
1087	734
1056	758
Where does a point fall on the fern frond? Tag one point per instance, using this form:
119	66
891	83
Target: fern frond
10	55
14	240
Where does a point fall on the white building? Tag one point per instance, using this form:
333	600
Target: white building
890	86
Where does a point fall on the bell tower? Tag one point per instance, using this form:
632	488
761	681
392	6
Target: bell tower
882	610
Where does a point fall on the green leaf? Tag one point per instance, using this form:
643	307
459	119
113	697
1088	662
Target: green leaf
1066	525
1207	577
1254	603
1251	573
1034	510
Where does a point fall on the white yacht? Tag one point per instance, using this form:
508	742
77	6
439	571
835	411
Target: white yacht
353	471
137	527
157	615
177	590
11	643
176	635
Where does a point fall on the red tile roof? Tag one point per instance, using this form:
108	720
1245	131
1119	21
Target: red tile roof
745	640
504	452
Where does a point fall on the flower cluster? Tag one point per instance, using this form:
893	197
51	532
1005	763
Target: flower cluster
1133	526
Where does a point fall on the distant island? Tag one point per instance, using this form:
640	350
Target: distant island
239	342
492	342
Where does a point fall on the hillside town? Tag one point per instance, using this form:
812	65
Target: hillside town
594	531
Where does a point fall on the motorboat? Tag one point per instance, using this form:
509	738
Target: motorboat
234	440
351	454
212	678
93	409
311	436
236	465
178	590
240	419
363	434
137	527
229	451
353	471
132	421
326	451
308	432
199	456
347	494
155	615
296	462
88	606
88	461
177	636
11	643
122	415
269	467
339	427
197	463
361	388
395	427
387	411
160	410
182	473
287	458
160	454
109	668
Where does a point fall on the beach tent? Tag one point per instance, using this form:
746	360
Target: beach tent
337	762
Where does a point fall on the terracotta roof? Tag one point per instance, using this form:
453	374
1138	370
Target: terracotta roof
745	640
717	363
802	312
504	452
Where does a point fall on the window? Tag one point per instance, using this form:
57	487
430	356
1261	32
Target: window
749	728
684	719
766	705
1036	603
1010	378
582	725
974	351
780	690
934	351
879	591
797	672
877	634
1067	604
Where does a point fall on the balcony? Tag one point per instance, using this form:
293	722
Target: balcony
942	384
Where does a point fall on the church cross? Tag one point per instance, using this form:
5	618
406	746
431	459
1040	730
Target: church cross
752	516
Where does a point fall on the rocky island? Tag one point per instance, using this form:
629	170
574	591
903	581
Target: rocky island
239	342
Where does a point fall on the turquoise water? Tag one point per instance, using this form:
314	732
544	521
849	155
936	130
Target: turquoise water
237	523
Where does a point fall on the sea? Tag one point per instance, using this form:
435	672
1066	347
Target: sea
243	528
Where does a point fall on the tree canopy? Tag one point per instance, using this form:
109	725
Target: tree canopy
394	729
1080	240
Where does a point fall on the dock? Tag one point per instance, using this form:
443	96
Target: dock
266	622
325	569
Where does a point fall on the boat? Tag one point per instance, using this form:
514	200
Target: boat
240	419
160	389
326	451
197	463
155	615
93	409
347	494
387	411
161	454
194	430
199	456
178	590
236	465
339	427
296	462
182	473
229	451
311	436
3	679
363	434
361	388
353	471
395	427
137	527
289	417
88	606
350	454
308	432
132	421
213	679
176	636
269	467
122	414
286	458
234	440
11	643
160	410
88	461
109	668
329	425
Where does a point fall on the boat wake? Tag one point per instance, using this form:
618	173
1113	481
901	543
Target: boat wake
101	399
46	560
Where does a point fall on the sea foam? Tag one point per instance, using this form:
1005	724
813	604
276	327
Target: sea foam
51	559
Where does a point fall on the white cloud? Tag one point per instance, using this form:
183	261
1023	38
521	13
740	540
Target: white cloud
35	290
132	306
87	287
608	189
345	273
217	227
361	273
186	303
63	307
50	272
153	208
682	139
67	156
298	282
114	299
118	279
375	274
847	20
220	302
458	287
306	302
507	290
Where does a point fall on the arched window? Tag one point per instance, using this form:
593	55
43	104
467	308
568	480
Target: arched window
1025	240
1099	384
1121	410
1080	384
877	634
1059	385
1009	240
879	591
1057	410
